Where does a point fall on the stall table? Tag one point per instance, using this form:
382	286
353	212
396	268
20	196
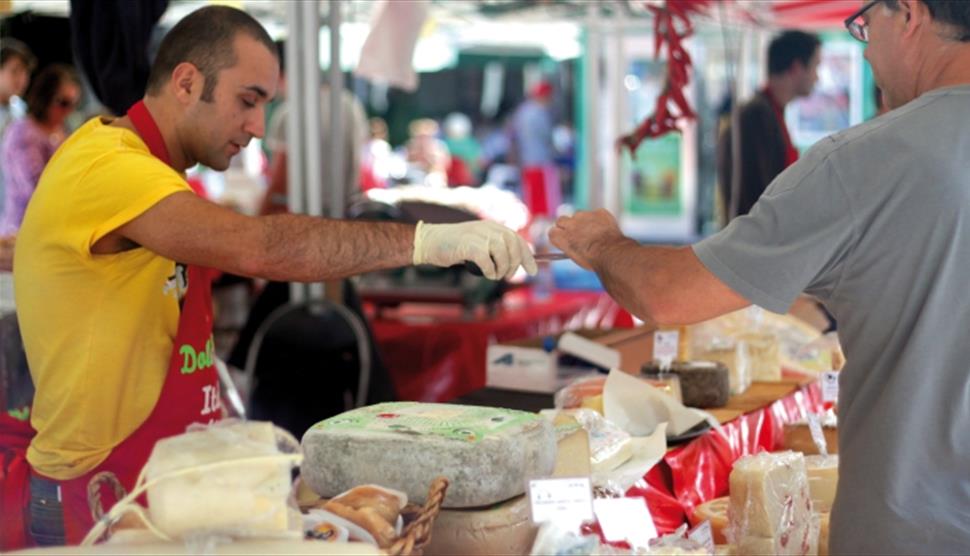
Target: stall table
434	353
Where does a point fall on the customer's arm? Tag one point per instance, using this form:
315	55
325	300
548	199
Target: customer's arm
660	285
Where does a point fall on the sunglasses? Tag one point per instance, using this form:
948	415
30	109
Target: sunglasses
856	24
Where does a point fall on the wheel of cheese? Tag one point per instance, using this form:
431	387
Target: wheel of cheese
714	511
487	454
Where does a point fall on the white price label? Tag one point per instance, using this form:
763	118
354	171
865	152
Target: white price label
830	386
665	346
815	428
703	536
625	519
567	502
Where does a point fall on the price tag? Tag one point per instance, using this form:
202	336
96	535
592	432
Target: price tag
625	519
830	386
703	536
815	428
665	346
568	502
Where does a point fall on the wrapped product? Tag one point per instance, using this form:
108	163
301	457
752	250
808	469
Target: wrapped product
823	478
714	511
771	509
486	454
734	356
221	480
765	359
702	383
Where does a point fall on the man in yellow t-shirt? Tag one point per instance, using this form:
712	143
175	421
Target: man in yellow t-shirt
111	288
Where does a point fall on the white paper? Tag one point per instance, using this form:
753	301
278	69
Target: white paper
638	407
830	386
647	452
665	344
588	350
703	535
625	519
566	502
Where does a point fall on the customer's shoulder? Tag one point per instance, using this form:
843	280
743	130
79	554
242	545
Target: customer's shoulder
918	117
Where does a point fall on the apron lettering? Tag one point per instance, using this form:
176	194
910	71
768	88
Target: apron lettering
197	361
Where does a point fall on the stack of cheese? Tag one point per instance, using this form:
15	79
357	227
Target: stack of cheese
228	479
486	454
770	511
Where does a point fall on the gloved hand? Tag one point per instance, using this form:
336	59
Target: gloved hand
496	249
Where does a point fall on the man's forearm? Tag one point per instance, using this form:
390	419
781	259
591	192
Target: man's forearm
302	248
663	285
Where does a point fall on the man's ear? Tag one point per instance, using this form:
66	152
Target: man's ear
916	17
187	82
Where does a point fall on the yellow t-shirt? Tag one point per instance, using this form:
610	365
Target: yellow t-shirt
98	329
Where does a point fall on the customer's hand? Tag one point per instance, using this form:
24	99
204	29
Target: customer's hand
6	252
496	249
584	235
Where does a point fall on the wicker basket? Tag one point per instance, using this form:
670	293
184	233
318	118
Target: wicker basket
418	520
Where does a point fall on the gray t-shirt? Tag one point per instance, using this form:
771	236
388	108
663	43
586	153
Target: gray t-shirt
875	222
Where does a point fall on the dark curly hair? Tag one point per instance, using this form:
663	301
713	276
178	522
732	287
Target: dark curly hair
43	88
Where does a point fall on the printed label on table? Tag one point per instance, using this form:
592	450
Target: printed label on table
830	386
625	519
665	346
703	536
567	502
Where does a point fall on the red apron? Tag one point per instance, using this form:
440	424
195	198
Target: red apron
791	153
190	393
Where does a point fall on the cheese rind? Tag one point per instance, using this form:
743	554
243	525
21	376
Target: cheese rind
487	454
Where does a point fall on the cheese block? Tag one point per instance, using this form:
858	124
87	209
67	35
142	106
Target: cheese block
798	438
765	359
823	478
505	528
770	510
823	534
735	358
715	511
701	383
206	485
486	454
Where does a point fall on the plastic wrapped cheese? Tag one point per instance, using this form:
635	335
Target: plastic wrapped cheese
765	359
486	454
221	480
735	357
714	511
823	478
770	511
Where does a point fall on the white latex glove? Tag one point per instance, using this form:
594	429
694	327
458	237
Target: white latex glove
496	249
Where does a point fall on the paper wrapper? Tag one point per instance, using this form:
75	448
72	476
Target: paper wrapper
639	408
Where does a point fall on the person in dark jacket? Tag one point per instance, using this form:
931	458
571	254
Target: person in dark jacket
764	147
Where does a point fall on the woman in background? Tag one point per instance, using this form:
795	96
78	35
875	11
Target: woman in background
30	142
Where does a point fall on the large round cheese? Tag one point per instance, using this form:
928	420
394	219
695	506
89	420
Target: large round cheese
504	528
487	454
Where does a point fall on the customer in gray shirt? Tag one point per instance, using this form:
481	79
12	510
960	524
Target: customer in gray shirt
875	222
